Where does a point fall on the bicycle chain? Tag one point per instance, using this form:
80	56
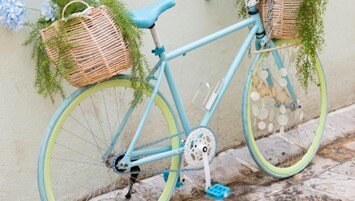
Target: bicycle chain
160	171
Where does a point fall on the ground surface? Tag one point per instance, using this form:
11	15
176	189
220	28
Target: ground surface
330	176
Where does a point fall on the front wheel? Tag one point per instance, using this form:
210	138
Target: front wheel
283	132
71	164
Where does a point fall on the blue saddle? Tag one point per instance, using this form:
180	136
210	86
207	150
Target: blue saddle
146	17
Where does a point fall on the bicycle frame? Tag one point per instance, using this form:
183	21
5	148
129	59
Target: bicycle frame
162	68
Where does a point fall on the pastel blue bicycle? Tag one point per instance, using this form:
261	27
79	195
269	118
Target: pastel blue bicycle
97	142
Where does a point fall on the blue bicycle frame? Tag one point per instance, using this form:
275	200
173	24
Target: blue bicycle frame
162	68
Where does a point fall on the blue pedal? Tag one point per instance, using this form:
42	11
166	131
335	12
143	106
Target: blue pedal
218	192
166	176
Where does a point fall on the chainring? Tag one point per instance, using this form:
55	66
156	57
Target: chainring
199	139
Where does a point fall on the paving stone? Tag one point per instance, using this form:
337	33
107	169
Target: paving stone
341	123
299	136
330	135
334	184
226	169
349	113
188	192
151	188
243	154
347	168
248	165
276	150
305	133
260	192
193	185
350	145
346	111
338	150
317	166
299	192
117	195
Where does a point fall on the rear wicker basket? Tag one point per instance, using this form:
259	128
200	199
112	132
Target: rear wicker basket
279	17
99	50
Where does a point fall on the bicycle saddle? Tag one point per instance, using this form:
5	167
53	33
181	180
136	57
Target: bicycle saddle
146	17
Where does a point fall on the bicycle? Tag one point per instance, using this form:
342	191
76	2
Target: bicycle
113	143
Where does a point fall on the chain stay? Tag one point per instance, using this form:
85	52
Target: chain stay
157	171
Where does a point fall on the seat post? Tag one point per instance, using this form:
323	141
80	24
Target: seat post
155	37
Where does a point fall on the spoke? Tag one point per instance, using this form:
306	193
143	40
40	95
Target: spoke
75	151
120	121
98	119
108	119
87	123
87	176
81	162
82	138
87	129
122	103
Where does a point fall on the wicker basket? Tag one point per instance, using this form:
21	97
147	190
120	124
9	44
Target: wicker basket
279	17
99	51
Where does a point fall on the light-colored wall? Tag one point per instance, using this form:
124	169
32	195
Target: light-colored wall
24	115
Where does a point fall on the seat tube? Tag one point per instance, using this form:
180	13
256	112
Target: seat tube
155	36
160	51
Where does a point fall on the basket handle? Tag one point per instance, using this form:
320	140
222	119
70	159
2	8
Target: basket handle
71	2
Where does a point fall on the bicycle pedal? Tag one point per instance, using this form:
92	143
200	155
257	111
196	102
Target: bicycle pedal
179	183
218	192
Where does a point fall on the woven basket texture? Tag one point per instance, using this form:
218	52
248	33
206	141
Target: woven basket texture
99	50
282	20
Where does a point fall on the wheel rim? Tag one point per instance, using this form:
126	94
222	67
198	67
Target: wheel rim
257	154
44	170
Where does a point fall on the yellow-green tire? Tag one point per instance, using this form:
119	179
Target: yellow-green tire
261	161
44	171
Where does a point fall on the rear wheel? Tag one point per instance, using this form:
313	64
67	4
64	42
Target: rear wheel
71	165
282	137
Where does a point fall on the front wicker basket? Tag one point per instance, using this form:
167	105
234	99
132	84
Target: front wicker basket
99	50
279	17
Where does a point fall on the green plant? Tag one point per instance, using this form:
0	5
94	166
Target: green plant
310	30
132	36
49	74
242	9
47	79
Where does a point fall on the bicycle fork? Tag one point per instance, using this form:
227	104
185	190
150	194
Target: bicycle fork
265	41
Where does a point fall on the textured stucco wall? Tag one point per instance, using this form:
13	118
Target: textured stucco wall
24	115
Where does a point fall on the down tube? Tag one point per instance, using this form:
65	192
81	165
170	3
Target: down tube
233	68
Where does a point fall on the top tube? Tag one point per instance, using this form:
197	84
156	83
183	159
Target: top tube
208	39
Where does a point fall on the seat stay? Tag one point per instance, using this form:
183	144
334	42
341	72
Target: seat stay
126	158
